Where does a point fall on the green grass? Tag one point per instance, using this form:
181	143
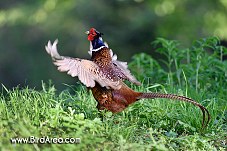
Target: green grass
159	124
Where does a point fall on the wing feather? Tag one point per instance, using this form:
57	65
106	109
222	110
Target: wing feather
122	67
87	71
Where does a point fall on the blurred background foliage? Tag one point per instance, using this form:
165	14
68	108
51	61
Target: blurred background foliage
129	27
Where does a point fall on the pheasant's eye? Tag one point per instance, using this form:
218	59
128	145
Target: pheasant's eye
93	34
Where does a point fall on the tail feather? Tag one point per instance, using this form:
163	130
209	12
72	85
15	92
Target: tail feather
181	98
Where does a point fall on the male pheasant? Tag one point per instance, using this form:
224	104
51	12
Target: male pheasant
104	75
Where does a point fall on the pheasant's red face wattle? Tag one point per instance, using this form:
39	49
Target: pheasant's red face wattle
92	34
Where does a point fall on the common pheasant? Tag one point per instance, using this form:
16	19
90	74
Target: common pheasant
105	76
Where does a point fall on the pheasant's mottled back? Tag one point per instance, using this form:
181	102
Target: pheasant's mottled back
105	76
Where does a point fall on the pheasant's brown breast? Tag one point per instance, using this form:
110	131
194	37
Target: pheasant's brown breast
102	57
101	62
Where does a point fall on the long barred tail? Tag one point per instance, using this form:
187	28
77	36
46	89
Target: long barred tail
181	98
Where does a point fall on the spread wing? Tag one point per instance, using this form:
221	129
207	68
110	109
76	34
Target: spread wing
124	73
87	71
123	70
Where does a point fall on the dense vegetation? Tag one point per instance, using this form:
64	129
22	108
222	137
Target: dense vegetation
198	72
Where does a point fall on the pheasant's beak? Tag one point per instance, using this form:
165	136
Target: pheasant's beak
87	32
